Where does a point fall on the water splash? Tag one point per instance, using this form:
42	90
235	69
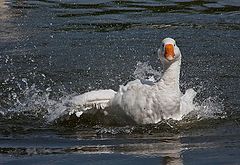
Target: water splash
31	102
209	108
38	103
144	71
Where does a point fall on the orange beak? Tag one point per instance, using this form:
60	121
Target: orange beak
169	52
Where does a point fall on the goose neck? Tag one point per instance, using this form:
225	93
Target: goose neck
172	73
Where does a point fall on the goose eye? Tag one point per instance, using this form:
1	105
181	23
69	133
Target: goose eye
163	45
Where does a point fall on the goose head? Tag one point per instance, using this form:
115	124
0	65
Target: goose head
169	51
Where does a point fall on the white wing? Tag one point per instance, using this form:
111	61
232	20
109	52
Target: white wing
94	99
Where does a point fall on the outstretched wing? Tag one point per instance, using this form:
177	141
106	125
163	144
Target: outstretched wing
98	99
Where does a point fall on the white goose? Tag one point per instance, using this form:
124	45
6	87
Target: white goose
146	103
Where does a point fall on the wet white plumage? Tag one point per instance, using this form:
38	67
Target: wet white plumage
146	102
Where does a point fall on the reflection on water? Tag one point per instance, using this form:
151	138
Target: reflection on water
8	30
208	146
168	148
3	16
3	8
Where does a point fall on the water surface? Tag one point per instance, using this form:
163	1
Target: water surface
50	49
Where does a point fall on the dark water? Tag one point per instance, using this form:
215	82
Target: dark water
50	49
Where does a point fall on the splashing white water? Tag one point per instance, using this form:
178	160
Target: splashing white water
144	72
35	102
209	108
38	102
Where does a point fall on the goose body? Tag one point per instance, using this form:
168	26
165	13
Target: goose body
147	103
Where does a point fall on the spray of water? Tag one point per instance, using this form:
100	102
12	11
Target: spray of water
144	71
38	102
